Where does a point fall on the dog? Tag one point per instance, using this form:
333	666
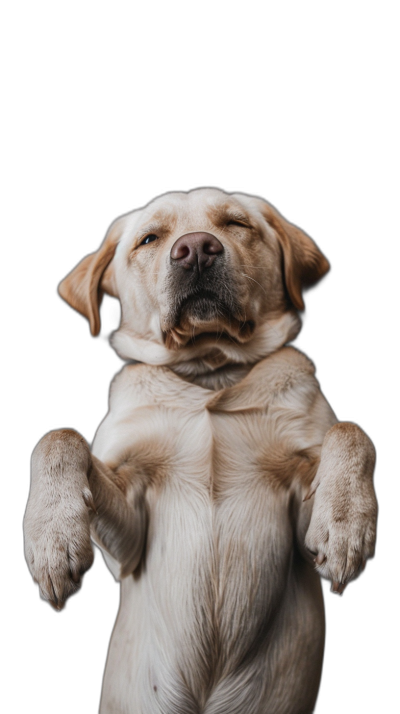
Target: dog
220	486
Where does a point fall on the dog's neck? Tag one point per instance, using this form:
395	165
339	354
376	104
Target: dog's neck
215	366
216	379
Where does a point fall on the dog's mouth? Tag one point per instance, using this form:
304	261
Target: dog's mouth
176	337
203	305
203	317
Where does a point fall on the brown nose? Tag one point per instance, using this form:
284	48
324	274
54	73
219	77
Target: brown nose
196	250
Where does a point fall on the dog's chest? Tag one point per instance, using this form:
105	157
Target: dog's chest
215	465
218	474
177	433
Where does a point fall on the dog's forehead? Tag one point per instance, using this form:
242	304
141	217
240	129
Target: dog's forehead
196	205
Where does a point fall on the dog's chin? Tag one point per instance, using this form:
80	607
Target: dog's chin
201	319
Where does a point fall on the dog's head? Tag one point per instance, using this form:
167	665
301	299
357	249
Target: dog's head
203	278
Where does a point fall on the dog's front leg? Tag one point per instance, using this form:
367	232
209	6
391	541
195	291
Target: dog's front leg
72	492
342	530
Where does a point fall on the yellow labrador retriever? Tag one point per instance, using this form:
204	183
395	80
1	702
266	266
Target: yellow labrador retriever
220	485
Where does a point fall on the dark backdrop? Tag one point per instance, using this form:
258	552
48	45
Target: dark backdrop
70	187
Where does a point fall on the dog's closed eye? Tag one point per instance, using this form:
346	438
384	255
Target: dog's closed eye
235	222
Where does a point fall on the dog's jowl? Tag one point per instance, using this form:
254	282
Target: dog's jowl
220	485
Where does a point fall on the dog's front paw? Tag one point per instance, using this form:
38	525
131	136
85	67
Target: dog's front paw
58	548
342	531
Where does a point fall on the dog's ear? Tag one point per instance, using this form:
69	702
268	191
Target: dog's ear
84	286
303	262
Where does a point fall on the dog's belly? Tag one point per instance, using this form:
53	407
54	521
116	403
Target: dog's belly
223	611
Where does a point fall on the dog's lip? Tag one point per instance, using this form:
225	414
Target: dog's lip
239	337
238	331
222	303
200	294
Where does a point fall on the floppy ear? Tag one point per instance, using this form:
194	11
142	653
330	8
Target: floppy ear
303	262
84	286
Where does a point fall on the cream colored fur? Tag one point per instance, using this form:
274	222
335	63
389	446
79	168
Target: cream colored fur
220	484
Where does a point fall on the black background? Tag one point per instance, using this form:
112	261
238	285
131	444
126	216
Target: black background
74	177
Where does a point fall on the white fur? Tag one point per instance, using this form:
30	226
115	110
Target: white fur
203	487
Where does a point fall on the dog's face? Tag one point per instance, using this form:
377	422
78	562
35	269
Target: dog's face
203	275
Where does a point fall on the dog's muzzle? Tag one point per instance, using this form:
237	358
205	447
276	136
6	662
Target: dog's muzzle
203	296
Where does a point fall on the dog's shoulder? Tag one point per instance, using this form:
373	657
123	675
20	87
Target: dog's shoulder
285	375
143	385
295	386
286	363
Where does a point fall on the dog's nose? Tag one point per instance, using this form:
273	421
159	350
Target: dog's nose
196	250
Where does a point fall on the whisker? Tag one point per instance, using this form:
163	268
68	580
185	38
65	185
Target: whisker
221	231
254	281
